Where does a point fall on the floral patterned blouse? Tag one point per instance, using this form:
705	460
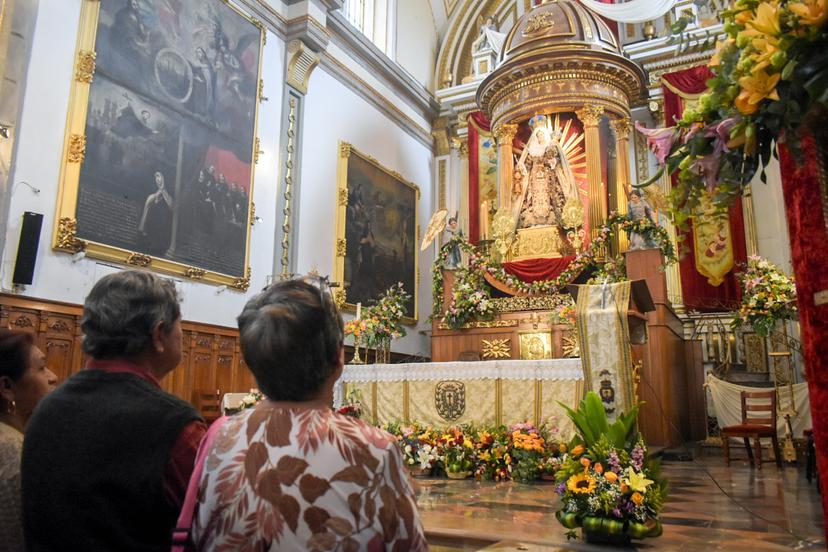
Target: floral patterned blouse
304	479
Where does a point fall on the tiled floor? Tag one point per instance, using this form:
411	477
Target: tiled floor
465	515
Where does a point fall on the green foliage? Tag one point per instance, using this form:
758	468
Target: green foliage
590	418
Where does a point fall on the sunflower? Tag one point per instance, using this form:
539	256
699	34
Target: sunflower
581	483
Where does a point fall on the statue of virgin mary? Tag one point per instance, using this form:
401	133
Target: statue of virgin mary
543	183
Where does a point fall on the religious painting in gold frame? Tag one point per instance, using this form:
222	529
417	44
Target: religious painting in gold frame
161	143
377	232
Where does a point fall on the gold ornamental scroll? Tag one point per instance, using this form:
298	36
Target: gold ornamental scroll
505	136
590	116
712	244
621	128
605	344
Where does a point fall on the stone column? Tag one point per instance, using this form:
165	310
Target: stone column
621	127
505	135
590	116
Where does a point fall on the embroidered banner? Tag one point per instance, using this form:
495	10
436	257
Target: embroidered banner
605	344
713	244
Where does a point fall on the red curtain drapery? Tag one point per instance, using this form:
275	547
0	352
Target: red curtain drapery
698	294
809	253
477	120
534	270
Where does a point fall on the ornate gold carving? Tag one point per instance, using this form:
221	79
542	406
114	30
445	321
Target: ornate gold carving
195	273
535	345
497	348
521	303
77	148
252	213
450	399
242	283
756	357
621	127
340	297
642	161
505	133
571	346
139	259
441	184
341	247
590	115
342	195
262	97
344	150
85	67
536	243
301	63
289	149
257	150
538	23
66	236
482	324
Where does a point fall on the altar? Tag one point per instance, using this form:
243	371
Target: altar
489	393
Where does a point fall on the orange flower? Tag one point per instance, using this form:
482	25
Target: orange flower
577	451
612	477
598	468
585	462
624	488
562	448
637	498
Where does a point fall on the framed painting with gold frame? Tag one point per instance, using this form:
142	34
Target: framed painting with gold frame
161	144
377	232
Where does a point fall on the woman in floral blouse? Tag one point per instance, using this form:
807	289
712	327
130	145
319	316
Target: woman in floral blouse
291	474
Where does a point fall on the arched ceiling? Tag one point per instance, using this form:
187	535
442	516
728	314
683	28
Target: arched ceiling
462	28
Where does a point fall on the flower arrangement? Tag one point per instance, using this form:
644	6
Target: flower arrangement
606	485
768	295
769	74
494	459
353	407
480	264
385	317
470	299
459	454
564	315
528	451
250	400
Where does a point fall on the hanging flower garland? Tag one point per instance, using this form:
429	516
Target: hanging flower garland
769	74
589	258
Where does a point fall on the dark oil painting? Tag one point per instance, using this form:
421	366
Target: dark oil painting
170	132
380	233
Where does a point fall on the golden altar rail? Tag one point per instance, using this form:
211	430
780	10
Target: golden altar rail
489	392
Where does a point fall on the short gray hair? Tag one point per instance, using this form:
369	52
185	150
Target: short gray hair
121	311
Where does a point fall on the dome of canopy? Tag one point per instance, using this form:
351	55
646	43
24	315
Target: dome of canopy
561	24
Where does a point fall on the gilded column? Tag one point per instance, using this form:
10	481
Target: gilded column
505	135
590	116
621	128
462	146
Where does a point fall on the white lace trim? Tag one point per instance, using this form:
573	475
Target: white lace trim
556	369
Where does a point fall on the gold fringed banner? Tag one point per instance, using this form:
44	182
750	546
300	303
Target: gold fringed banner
605	344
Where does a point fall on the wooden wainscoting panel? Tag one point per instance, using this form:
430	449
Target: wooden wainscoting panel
211	357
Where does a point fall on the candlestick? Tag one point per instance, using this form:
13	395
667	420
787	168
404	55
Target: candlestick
359	311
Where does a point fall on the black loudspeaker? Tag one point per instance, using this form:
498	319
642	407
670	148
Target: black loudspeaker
27	249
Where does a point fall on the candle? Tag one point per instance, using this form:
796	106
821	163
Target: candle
359	311
484	220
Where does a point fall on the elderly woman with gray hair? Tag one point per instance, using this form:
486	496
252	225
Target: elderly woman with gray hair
108	455
291	474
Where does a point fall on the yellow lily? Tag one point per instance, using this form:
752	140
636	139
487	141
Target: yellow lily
810	12
756	88
637	481
765	48
766	20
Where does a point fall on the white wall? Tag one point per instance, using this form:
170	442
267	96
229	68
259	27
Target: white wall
38	162
771	222
334	113
416	47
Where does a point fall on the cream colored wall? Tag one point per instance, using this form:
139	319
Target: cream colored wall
416	45
771	223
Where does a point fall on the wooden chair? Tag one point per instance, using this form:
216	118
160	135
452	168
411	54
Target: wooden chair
758	421
208	403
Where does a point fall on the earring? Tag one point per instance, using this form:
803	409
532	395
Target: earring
11	408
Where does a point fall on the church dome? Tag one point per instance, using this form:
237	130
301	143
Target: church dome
558	57
561	24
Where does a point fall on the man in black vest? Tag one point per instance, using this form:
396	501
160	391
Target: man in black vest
107	457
